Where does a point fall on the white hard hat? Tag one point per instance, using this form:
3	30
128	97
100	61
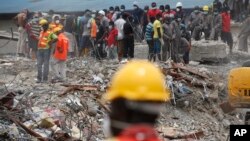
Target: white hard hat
178	4
101	12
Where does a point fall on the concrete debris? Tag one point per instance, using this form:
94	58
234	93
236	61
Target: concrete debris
75	111
208	51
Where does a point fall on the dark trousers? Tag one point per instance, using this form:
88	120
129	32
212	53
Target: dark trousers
150	49
227	38
128	46
120	49
43	57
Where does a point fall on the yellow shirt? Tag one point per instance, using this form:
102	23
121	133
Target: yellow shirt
157	24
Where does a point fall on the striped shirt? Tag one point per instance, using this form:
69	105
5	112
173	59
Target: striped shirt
149	32
35	28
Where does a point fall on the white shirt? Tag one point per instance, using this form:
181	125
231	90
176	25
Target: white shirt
119	25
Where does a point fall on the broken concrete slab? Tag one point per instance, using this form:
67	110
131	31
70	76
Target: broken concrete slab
208	51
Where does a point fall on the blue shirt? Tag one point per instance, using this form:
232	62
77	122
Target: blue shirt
149	32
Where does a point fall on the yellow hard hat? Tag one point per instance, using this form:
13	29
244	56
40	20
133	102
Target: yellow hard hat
205	8
43	21
57	29
138	80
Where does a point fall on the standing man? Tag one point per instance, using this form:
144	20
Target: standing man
128	39
119	24
46	39
149	38
226	35
111	41
243	35
137	15
216	25
153	11
195	23
137	96
158	32
145	19
60	56
168	12
86	43
69	28
33	30
176	38
206	24
21	20
179	11
167	38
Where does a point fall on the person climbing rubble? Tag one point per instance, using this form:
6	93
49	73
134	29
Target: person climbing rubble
136	102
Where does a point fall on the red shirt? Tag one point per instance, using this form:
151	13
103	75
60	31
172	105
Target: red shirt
111	40
153	12
132	133
226	22
167	14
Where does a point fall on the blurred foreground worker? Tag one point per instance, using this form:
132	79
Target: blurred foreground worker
226	35
243	35
60	56
136	102
46	39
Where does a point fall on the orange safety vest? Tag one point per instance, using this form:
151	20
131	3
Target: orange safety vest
62	45
93	30
52	26
44	39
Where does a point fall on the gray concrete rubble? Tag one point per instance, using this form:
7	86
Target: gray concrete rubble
76	107
208	51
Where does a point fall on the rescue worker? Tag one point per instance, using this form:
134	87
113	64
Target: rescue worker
60	56
110	13
136	102
33	30
185	44
226	35
162	8
180	12
153	11
168	12
116	14
195	23
176	38
68	31
158	34
128	39
21	21
216	25
111	41
46	39
93	31
119	24
149	38
85	43
206	24
137	14
145	18
167	38
243	35
55	23
100	40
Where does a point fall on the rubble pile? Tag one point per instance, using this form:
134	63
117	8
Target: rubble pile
74	110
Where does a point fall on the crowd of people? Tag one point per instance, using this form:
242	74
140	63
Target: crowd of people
112	33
